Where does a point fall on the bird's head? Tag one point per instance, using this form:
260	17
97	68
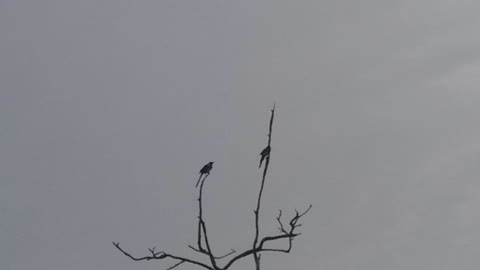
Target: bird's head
210	163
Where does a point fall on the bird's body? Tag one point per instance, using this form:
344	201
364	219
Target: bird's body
265	153
204	171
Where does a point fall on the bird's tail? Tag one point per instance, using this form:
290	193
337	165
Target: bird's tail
199	178
261	161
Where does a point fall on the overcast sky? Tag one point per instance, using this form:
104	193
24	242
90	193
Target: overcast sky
108	109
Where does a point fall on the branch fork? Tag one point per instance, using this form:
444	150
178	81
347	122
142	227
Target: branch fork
203	246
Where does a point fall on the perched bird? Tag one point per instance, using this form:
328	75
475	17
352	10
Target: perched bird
265	153
205	170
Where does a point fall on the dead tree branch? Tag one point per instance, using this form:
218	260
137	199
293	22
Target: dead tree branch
160	256
285	233
200	216
202	231
216	257
260	244
256	256
202	228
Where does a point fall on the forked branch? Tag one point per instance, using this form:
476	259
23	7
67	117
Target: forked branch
162	255
287	231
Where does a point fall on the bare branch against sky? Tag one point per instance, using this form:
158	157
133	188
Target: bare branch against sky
109	108
203	242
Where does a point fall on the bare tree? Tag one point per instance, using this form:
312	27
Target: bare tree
287	231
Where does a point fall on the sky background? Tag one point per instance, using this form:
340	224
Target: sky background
108	109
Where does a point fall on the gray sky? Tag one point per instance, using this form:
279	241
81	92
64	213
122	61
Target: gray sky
108	109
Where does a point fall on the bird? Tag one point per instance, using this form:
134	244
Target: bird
265	153
205	170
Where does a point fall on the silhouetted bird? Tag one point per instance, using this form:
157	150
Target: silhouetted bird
205	170
265	153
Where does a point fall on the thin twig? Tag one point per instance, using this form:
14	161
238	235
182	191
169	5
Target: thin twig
232	251
281	228
175	265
